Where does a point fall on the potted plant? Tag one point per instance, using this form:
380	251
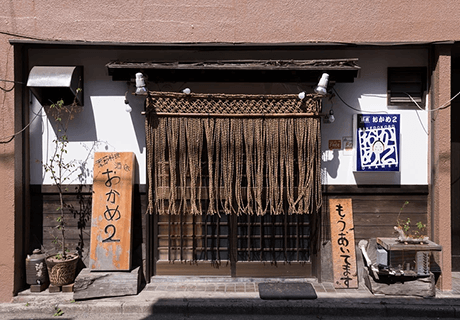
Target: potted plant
62	265
409	233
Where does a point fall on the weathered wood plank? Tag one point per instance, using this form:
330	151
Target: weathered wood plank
374	205
367	232
50	206
49	220
53	289
111	224
200	268
380	196
70	233
99	284
343	243
387	219
420	287
390	189
71	244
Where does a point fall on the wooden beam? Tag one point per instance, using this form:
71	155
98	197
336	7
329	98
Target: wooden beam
231	115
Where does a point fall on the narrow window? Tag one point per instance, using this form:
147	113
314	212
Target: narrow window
406	87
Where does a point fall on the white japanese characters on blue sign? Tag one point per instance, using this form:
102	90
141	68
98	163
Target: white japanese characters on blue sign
378	142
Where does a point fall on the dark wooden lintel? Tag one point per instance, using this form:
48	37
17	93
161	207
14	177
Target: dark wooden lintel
252	71
375	189
255	65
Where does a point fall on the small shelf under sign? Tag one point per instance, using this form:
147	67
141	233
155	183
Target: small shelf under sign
377	177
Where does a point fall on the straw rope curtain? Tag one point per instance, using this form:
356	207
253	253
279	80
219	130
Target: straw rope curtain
243	154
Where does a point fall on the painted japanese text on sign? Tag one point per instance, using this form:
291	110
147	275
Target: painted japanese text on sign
343	243
112	211
378	142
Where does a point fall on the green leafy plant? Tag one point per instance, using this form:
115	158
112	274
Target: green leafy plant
408	230
58	312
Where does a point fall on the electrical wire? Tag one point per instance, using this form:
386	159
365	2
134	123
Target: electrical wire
11	81
8	90
24	36
442	107
10	138
353	108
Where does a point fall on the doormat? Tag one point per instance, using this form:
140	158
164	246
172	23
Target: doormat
287	291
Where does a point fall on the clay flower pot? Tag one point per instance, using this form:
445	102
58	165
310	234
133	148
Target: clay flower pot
60	271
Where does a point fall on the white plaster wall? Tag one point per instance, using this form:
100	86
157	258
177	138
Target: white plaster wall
103	124
369	94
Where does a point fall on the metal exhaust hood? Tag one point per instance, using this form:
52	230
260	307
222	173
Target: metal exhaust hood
50	84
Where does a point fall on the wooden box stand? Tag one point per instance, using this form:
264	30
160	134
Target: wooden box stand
400	284
65	288
39	287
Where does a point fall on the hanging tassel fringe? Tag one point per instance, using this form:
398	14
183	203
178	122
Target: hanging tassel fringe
232	165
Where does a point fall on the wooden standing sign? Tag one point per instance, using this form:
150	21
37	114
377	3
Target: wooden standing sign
343	243
112	211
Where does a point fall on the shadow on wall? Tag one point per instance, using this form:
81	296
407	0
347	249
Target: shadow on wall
81	209
331	162
138	120
81	125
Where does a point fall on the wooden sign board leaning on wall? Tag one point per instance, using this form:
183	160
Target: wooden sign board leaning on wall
343	244
112	211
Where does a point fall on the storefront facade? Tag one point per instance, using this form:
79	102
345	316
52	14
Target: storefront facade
235	244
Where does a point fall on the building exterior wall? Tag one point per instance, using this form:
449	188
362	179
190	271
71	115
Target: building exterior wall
7	172
103	125
440	174
210	21
282	21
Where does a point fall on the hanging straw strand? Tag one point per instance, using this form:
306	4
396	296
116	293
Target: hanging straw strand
210	142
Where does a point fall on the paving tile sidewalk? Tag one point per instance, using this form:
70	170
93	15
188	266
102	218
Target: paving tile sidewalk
231	296
251	285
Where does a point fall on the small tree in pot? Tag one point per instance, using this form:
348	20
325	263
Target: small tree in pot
62	265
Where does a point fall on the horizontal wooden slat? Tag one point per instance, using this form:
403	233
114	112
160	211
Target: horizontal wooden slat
200	268
188	249
198	223
375	189
376	213
289	224
71	245
269	236
368	232
190	237
70	233
326	189
399	198
269	249
72	189
373	205
389	219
